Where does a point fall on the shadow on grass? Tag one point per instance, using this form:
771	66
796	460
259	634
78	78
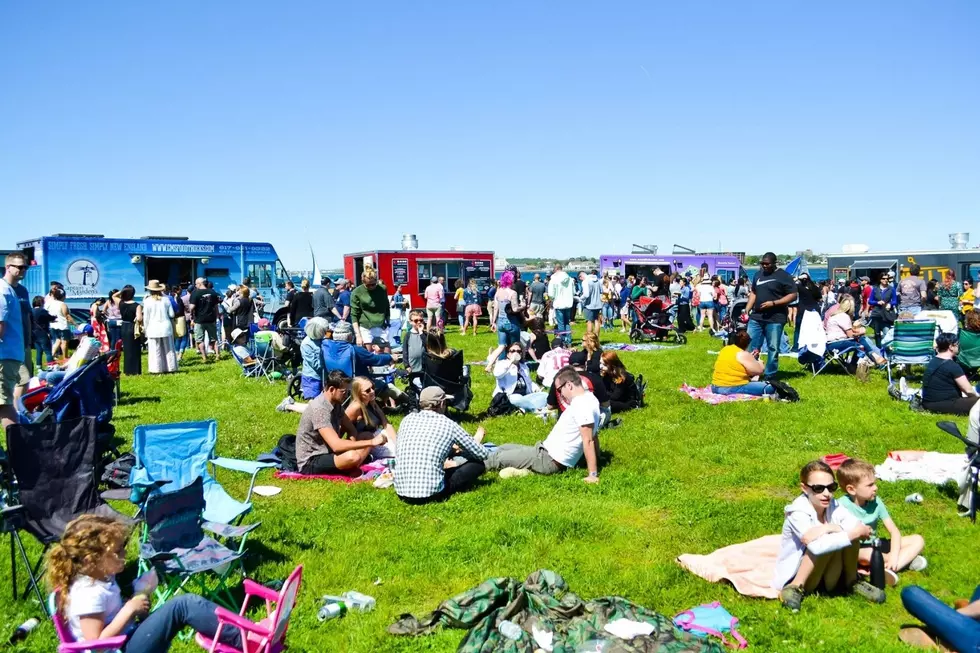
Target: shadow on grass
128	400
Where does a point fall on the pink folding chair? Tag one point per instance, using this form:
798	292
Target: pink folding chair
67	642
266	636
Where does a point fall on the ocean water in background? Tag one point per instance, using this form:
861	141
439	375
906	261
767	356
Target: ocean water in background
817	272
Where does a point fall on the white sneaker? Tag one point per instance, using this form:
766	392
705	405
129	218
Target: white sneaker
918	563
288	401
891	578
513	472
903	387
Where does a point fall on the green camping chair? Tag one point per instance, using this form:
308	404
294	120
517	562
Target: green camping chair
913	343
969	356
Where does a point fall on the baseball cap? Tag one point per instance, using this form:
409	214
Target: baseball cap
433	396
865	278
578	359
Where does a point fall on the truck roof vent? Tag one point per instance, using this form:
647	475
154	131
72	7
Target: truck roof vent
164	238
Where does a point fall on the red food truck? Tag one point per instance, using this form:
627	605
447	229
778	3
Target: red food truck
413	269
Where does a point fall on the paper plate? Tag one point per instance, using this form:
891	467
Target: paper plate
267	490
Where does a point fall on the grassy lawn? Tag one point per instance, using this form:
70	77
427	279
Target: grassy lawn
680	477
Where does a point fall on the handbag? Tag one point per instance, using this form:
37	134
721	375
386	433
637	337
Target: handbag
137	330
180	327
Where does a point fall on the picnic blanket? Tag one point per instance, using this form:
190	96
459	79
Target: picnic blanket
550	617
622	346
748	566
928	466
369	472
706	395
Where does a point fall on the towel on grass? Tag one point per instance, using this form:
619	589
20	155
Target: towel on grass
928	466
748	566
705	394
369	472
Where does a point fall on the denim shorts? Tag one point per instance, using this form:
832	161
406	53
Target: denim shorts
590	314
61	334
707	306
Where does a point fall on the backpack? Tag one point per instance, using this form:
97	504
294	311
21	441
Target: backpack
500	405
711	619
286	448
784	391
116	473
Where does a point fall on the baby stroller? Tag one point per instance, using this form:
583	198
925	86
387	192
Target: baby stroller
732	321
292	359
651	321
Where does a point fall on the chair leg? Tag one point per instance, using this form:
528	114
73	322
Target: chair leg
31	573
13	566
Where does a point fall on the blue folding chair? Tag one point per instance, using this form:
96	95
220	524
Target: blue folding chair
180	453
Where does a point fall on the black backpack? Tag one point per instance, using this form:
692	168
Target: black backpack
116	473
500	405
287	453
784	391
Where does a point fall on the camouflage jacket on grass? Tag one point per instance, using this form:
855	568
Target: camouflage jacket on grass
544	601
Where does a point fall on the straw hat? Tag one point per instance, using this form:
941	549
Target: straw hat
155	286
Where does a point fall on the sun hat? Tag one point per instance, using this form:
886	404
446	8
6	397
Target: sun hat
155	286
432	396
236	333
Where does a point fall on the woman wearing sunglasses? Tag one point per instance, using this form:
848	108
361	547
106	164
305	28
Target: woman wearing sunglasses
514	381
820	543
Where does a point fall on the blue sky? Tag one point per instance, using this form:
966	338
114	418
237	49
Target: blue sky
531	128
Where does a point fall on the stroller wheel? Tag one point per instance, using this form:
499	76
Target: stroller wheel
295	387
635	335
681	339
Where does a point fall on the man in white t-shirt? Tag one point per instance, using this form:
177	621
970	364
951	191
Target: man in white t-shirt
572	436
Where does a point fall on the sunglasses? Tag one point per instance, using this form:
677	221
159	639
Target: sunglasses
820	489
514	351
19	267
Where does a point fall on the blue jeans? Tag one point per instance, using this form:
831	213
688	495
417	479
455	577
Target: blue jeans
756	388
772	334
42	345
155	633
114	333
961	632
507	334
529	402
563	322
863	344
182	343
395	331
609	313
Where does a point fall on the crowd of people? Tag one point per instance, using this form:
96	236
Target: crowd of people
354	338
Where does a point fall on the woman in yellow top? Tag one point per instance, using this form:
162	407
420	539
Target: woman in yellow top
460	309
736	368
968	297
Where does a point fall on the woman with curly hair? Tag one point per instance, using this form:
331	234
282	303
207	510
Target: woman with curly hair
83	567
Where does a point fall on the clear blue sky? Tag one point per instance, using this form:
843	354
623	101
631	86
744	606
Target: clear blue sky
532	128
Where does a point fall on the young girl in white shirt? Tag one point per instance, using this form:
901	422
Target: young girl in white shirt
83	567
820	543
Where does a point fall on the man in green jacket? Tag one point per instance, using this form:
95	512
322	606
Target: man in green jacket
369	309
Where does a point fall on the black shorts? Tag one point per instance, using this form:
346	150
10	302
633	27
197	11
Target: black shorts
322	463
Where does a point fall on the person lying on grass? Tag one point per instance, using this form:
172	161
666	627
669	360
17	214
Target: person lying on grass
956	628
820	543
84	565
857	478
320	445
572	436
427	442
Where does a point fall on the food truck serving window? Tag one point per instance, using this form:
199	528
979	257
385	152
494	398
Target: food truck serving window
428	269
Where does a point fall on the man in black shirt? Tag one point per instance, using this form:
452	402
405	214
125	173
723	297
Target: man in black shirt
204	311
772	292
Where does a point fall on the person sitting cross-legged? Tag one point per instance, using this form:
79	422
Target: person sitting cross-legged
427	440
320	445
572	436
736	369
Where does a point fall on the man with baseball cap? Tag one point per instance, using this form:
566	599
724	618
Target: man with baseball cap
426	440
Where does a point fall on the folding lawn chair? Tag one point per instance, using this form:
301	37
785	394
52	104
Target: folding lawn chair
254	368
969	356
267	635
51	479
180	453
843	353
913	343
973	473
175	545
450	374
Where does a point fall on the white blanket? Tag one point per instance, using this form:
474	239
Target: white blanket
928	466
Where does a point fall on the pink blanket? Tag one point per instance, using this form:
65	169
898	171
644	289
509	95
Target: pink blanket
369	472
749	566
705	394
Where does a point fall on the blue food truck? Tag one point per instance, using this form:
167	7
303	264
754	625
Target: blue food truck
91	265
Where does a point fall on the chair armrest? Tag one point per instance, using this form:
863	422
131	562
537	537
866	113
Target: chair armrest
246	466
228	617
109	643
148	553
255	589
227	530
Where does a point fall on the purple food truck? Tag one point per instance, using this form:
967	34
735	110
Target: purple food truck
642	265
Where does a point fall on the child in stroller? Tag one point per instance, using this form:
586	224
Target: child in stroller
651	321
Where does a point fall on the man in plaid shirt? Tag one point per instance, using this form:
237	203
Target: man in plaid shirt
426	440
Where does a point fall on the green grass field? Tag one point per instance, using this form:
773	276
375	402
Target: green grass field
680	477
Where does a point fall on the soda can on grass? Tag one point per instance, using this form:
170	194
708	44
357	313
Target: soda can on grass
914	498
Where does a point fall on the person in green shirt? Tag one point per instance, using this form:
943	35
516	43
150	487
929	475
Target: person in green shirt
369	309
857	478
639	290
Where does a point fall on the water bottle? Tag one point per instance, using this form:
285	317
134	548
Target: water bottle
23	631
877	565
593	646
331	610
357	601
510	630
